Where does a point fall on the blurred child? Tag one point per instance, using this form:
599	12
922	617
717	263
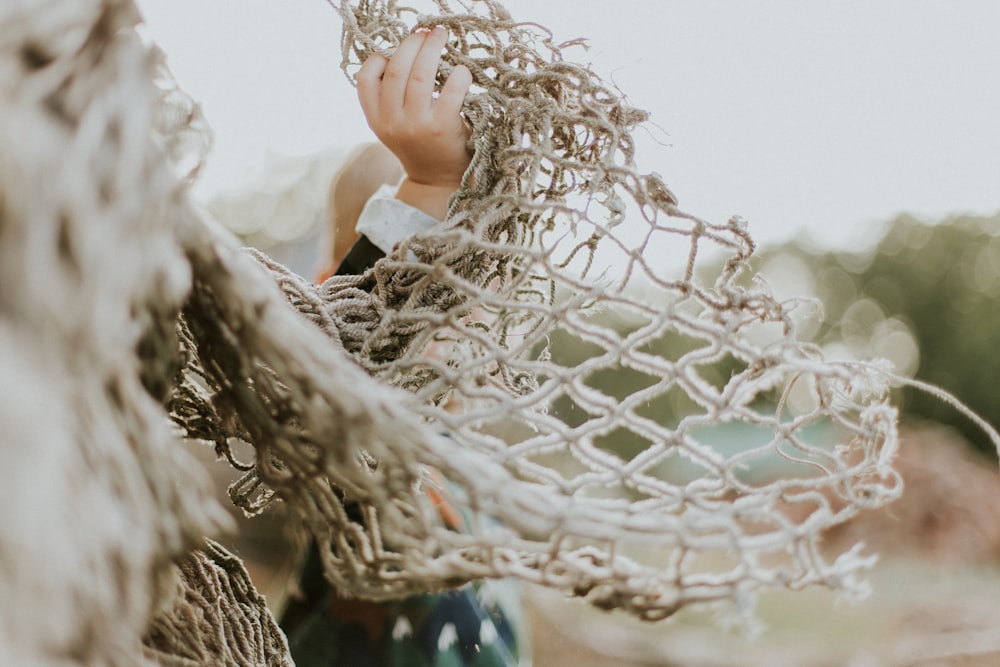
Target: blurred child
385	193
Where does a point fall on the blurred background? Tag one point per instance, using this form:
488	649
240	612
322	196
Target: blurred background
861	141
823	119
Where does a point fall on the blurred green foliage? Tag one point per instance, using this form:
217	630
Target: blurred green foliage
943	282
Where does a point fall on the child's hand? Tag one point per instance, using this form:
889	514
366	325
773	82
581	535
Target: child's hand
427	135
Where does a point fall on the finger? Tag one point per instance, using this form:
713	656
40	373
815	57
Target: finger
370	84
397	72
452	97
420	87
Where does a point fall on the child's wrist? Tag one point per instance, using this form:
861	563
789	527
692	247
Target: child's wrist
431	198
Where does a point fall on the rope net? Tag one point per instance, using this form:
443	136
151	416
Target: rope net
620	415
615	413
217	617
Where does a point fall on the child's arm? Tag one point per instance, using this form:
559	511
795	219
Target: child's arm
427	134
369	167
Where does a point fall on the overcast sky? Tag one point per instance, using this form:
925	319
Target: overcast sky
818	117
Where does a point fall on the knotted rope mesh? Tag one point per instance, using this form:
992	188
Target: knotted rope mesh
552	362
622	415
218	617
